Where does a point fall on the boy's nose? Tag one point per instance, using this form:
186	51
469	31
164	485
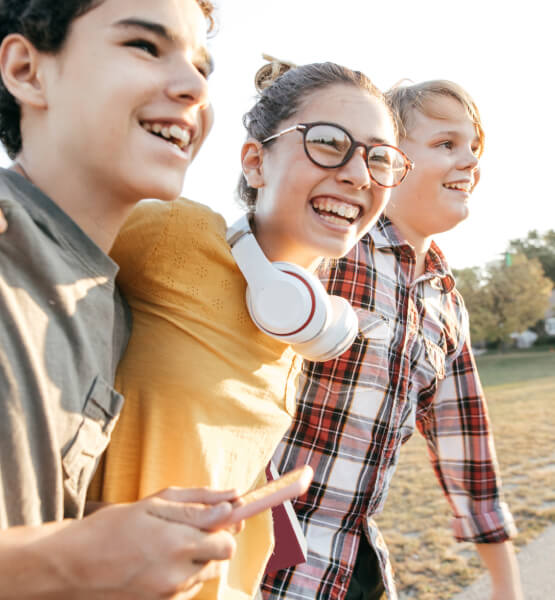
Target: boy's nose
469	160
189	86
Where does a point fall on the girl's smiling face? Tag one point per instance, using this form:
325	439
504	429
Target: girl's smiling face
445	150
303	211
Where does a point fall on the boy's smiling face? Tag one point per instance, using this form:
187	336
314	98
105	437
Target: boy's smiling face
445	149
126	97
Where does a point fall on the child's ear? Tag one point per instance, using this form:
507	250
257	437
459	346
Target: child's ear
19	68
252	160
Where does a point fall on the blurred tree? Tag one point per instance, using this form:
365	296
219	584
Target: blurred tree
540	246
471	283
503	299
519	295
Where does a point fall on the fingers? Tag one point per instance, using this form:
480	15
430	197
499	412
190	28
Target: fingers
218	546
3	223
198	516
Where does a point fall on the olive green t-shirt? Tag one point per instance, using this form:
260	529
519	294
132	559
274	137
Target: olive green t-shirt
63	329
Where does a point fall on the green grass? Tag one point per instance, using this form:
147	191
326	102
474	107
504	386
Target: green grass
429	564
516	366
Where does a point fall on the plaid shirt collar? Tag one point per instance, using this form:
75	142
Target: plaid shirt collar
385	235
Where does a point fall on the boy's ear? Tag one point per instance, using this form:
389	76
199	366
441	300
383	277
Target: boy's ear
19	61
251	161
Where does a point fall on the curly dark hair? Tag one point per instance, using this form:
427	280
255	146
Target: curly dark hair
45	23
282	88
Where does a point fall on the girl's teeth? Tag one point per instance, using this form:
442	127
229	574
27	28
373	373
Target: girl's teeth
332	219
157	128
343	211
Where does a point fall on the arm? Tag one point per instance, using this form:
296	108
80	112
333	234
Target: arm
155	548
3	222
500	561
461	448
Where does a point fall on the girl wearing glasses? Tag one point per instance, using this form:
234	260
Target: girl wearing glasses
208	395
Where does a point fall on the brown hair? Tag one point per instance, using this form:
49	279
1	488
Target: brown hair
208	10
405	99
282	87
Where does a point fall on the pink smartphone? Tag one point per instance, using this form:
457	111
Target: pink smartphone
292	484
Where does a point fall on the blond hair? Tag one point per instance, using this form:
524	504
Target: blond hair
405	99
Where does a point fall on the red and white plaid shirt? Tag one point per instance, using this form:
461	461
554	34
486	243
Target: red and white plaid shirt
411	365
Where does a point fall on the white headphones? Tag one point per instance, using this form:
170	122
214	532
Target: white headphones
290	304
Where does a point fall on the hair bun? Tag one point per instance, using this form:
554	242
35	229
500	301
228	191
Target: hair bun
269	72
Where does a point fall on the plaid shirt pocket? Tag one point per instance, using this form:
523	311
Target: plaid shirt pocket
374	335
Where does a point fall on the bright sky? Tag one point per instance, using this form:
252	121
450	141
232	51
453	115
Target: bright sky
500	51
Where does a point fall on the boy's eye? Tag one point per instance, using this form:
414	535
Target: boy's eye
144	45
446	144
204	71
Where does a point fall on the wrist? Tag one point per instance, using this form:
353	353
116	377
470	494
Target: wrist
30	561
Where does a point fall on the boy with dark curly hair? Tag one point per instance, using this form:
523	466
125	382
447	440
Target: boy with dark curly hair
102	103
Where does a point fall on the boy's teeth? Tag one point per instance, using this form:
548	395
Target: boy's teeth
170	132
462	187
180	134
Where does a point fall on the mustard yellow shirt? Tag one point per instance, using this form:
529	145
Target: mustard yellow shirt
208	396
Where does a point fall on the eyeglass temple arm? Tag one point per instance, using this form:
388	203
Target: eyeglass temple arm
276	135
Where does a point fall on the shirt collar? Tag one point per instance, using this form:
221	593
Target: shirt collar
59	225
385	235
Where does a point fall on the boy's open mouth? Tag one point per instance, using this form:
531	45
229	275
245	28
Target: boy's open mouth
172	133
335	211
459	186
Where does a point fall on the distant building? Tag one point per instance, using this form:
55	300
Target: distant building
525	339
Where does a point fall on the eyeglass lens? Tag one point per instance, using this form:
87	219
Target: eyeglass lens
328	146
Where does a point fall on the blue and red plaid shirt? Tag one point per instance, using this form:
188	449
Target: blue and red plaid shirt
410	366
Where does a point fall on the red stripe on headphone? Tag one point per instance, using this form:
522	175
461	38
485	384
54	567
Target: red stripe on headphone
312	311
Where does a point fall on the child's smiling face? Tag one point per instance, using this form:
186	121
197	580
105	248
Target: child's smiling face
445	149
126	97
296	197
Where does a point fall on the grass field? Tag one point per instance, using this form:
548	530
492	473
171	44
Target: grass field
429	564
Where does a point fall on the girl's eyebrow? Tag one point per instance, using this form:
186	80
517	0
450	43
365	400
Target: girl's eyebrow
163	32
377	140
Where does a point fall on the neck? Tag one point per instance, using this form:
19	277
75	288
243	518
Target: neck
278	249
419	242
93	209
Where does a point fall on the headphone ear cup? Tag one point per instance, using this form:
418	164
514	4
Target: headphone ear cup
337	337
275	307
